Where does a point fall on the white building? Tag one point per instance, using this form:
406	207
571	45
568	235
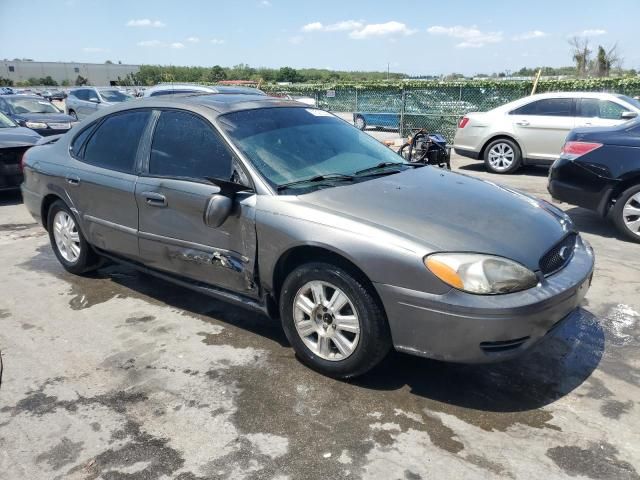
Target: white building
99	74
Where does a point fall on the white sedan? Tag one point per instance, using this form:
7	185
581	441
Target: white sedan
532	130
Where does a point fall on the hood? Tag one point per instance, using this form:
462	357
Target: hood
447	211
17	137
43	117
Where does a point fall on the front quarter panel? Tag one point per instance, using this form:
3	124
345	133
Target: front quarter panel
284	223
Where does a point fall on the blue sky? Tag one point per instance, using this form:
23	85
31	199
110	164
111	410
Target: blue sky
416	37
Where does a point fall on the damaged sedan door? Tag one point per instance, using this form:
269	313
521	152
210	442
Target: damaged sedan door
197	220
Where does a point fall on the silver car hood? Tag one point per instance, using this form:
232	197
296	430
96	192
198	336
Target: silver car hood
446	211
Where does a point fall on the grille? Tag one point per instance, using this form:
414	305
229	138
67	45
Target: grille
11	156
503	345
559	255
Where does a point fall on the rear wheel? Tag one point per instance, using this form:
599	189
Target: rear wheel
332	321
73	114
67	241
626	213
360	123
502	156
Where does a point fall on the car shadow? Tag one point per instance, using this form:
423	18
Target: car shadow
556	366
530	170
10	197
590	222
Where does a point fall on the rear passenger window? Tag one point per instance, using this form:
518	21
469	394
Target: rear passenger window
115	142
184	145
550	107
79	141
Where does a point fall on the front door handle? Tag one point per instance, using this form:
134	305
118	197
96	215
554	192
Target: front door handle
523	123
73	180
155	199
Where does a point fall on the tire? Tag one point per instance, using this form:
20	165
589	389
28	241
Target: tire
73	114
359	122
82	261
341	353
502	155
626	213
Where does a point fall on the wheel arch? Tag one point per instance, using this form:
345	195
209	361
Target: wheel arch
301	254
628	182
47	201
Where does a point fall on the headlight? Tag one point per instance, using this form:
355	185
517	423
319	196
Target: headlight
481	274
35	125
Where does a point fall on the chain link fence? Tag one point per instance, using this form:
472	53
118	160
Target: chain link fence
437	108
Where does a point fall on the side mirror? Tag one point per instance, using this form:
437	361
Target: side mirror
94	99
218	210
628	115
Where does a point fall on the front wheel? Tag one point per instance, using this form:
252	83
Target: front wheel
332	320
73	114
360	123
67	241
626	213
502	156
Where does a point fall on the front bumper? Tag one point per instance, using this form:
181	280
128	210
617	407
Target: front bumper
466	328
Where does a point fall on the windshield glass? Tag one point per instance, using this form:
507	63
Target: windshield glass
630	100
114	96
292	144
5	122
31	105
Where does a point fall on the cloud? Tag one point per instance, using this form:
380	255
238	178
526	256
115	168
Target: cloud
531	35
313	27
596	32
343	26
193	39
471	37
265	3
382	29
217	41
158	43
145	22
94	49
296	40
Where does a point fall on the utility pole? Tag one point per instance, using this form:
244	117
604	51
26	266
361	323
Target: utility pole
387	71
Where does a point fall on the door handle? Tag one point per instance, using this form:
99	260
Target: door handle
73	180
155	199
523	123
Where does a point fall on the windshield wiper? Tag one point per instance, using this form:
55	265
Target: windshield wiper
385	165
316	179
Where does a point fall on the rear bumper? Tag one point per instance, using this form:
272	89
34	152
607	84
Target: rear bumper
467	153
572	183
33	202
461	327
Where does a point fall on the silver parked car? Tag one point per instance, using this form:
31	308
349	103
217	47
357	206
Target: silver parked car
532	130
291	211
85	101
177	88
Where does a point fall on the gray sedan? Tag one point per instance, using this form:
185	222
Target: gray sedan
284	208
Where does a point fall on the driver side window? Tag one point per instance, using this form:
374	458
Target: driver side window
185	145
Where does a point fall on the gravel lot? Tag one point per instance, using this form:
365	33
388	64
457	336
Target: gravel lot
121	376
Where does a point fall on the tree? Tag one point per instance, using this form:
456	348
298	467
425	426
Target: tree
581	54
288	74
80	80
605	60
215	74
6	82
48	81
65	83
108	62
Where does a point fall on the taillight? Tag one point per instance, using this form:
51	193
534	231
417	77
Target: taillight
463	122
577	149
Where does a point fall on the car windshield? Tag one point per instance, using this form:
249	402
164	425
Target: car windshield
6	122
630	100
114	96
293	144
31	105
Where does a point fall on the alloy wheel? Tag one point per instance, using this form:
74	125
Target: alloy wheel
360	123
326	320
631	214
66	236
501	157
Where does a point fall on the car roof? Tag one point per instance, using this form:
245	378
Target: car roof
17	95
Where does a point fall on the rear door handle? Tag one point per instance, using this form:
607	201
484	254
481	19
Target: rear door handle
523	123
155	199
73	180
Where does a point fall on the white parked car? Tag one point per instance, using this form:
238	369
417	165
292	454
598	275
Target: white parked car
176	88
532	130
